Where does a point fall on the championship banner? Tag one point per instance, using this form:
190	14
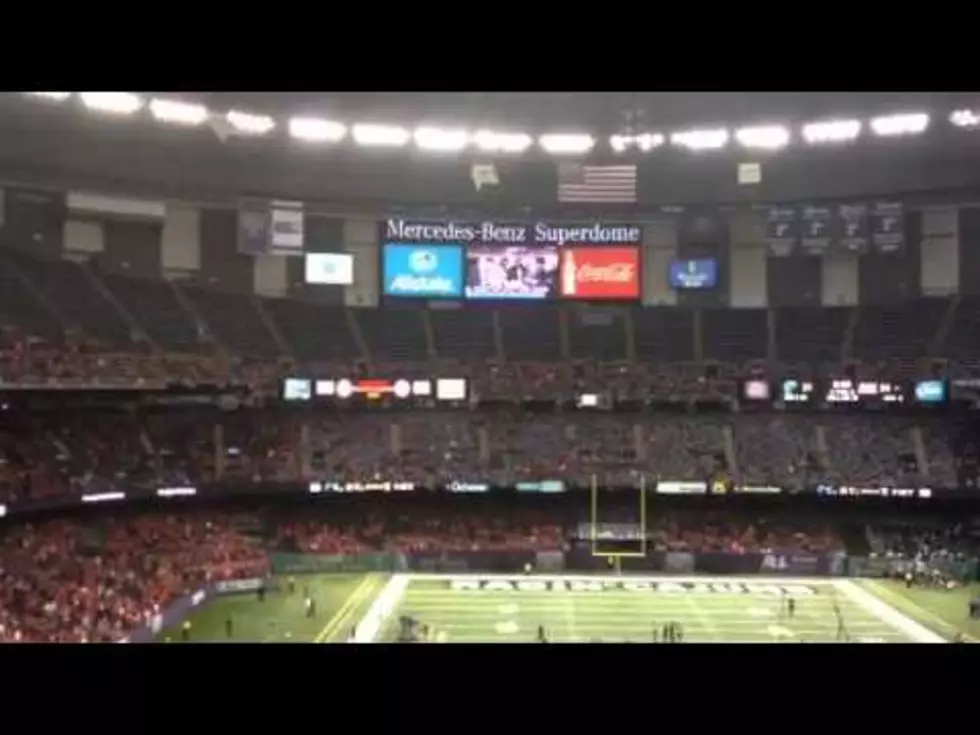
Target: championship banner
853	228
254	227
782	231
287	228
817	230
888	226
270	227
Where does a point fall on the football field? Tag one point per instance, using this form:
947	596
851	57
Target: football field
509	609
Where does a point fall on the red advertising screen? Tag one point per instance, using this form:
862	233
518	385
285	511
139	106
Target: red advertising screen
600	273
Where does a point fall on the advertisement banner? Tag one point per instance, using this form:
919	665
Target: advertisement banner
681	488
422	271
600	273
549	561
853	227
511	272
504	562
888	226
721	563
238	586
818	230
283	563
679	562
693	274
791	564
544	486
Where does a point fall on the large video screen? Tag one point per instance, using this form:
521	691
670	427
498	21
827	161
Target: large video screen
511	272
600	273
693	274
422	271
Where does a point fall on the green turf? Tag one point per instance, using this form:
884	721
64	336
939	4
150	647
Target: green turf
945	612
619	614
281	618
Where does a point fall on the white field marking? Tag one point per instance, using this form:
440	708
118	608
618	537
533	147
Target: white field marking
508	628
508	609
887	613
701	617
912	605
760	580
780	631
384	604
745	625
569	607
759	612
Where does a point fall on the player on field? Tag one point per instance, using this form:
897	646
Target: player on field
841	629
542	638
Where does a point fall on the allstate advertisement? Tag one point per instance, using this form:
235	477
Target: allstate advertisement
418	270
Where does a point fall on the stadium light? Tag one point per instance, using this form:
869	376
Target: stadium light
764	137
645	142
491	142
115	103
391	136
54	96
439	139
831	131
315	130
907	124
649	141
700	140
964	118
247	123
178	113
566	143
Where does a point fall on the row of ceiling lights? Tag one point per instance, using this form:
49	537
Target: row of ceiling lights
449	140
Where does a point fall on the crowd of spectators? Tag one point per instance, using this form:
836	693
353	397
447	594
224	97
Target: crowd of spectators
97	580
67	581
43	454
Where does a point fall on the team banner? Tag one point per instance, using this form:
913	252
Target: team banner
600	273
817	230
853	225
888	226
782	230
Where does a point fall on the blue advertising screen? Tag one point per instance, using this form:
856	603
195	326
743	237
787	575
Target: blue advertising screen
422	271
930	391
692	274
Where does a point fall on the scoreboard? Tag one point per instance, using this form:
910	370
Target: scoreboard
347	390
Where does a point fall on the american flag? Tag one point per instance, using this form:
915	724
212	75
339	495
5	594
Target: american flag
602	184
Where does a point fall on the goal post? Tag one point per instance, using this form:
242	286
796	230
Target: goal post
615	554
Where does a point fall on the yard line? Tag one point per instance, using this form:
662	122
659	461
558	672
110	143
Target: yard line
347	609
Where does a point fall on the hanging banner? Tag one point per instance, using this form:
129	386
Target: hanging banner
888	226
817	230
253	227
782	230
853	228
287	228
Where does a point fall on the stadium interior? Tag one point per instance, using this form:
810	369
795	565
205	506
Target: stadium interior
262	383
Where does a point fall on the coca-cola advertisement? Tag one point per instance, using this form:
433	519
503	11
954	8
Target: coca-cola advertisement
514	272
598	274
